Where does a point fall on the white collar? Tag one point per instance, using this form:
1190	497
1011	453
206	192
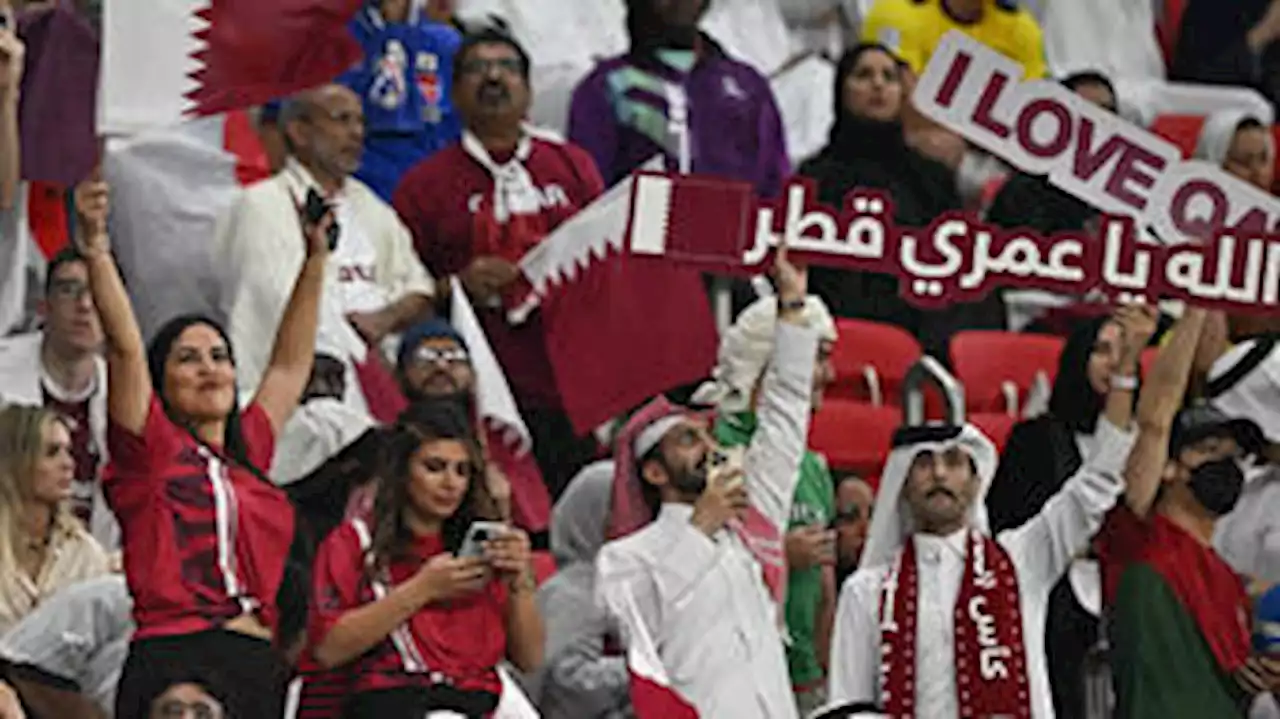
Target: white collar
299	180
954	543
675	512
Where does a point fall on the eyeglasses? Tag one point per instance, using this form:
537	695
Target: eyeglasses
432	355
483	66
852	514
73	290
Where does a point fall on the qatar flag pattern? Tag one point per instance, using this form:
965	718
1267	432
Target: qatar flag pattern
652	696
167	60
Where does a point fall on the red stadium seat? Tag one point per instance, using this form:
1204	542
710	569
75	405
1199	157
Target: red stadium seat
1169	27
1181	130
870	360
996	425
854	436
999	368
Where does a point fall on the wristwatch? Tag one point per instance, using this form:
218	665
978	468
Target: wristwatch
1126	383
796	305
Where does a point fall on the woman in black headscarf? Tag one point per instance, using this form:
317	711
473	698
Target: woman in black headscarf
867	150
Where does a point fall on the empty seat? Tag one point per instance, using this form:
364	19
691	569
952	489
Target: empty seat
870	360
855	436
998	369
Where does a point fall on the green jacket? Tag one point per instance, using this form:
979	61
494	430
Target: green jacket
814	504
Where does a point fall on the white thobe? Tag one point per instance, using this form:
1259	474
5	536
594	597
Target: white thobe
1249	537
1041	550
703	600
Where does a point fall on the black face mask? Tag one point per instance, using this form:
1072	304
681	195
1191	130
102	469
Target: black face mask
1217	485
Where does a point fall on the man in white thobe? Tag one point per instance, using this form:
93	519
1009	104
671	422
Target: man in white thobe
931	507
699	583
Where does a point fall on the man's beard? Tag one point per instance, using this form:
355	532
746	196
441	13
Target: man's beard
689	480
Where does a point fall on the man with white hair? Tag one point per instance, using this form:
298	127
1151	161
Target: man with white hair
941	619
745	350
697	585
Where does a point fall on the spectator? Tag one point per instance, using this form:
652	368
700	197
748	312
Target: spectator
477	207
677	94
12	52
187	486
1230	48
1181	648
42	546
930	556
854	499
867	150
690	573
1244	384
810	542
911	29
403	81
1043	453
195	696
393	601
377	286
1243	146
62	368
1033	202
582	678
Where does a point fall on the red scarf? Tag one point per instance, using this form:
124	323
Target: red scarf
991	662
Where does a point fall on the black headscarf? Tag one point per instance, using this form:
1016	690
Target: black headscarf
855	136
1074	401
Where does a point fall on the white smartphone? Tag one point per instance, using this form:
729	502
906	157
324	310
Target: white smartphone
726	465
477	534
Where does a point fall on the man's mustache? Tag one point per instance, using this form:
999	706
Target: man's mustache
941	490
493	88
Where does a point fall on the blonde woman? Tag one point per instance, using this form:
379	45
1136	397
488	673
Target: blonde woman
43	547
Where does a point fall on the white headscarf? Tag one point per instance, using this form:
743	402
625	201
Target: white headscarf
746	348
1219	131
891	521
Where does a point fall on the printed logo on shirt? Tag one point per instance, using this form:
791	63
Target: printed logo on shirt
357	273
550	197
733	90
388	89
427	77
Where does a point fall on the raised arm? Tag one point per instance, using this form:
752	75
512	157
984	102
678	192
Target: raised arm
1160	401
128	379
1137	325
12	53
772	464
295	347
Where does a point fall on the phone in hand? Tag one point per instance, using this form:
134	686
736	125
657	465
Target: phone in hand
314	210
477	534
725	465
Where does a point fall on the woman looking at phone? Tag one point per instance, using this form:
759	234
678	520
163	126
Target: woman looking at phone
418	627
205	534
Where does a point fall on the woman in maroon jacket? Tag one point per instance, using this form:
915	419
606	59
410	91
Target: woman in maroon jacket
414	627
206	536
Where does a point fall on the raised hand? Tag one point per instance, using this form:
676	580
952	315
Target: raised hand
93	205
315	234
792	281
722	500
1137	326
12	57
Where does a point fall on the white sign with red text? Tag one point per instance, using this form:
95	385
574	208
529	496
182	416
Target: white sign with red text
1043	128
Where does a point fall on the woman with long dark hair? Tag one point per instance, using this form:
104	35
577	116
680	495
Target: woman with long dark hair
206	536
416	627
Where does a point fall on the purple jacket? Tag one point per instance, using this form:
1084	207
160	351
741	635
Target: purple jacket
620	115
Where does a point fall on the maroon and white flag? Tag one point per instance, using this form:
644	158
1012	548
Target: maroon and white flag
166	60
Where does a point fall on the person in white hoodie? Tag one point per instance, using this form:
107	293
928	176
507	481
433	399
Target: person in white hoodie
61	367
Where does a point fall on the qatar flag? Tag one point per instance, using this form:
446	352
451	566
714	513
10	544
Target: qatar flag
652	696
167	60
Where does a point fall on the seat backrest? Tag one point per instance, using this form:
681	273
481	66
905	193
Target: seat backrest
987	362
996	425
1181	130
888	351
855	437
1169	27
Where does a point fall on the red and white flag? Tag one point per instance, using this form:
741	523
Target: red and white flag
167	60
652	696
620	328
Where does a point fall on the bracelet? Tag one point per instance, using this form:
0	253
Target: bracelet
523	584
796	305
1125	383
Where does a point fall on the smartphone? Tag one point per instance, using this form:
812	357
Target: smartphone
725	465
315	210
477	534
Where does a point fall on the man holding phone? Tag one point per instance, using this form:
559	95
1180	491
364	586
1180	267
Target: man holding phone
703	566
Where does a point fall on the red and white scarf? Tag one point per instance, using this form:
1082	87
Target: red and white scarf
990	659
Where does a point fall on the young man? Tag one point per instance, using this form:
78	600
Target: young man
696	582
940	618
810	548
1181	616
62	367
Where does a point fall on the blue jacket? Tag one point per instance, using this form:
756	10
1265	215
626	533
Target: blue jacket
404	82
